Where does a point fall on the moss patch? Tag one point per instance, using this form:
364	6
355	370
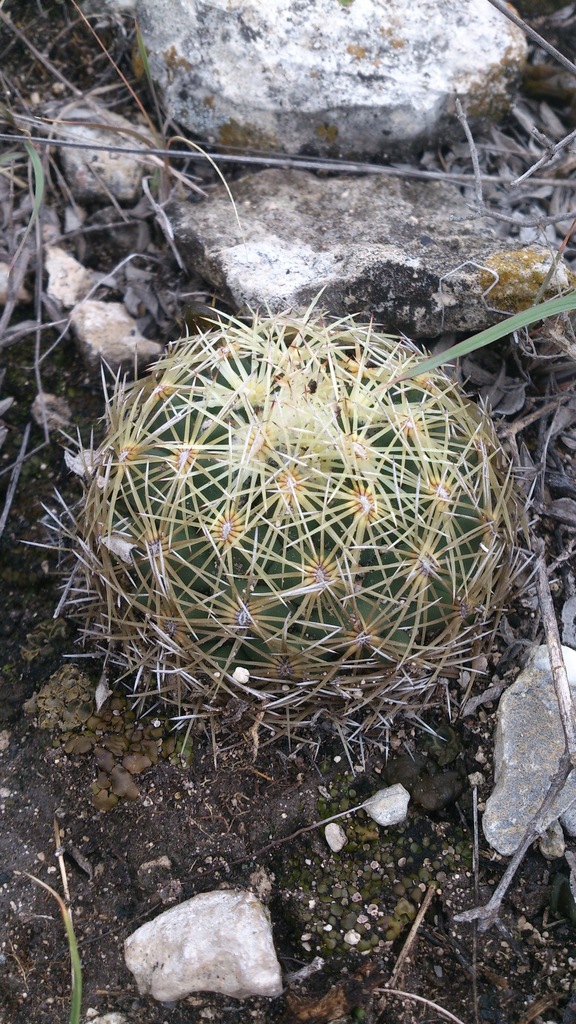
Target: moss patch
513	280
364	896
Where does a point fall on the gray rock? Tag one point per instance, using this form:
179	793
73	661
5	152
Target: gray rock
217	941
529	744
388	806
95	174
568	820
351	77
411	254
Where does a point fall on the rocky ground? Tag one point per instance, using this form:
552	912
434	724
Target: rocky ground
197	818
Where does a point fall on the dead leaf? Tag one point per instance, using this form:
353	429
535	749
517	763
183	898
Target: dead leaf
342	999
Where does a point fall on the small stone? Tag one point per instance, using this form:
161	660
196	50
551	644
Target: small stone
218	941
107	332
92	173
52	410
163	862
335	836
106	1018
476	779
241	675
551	843
388	806
68	280
528	746
352	937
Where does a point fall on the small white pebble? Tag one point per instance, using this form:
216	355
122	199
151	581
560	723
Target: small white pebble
388	806
335	836
352	937
240	675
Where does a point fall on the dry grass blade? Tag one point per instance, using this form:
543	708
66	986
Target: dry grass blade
559	674
15	475
412	934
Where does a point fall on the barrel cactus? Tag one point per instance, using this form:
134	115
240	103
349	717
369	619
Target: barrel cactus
275	515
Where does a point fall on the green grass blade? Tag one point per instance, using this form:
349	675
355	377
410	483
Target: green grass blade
38	190
143	54
562	304
38	183
76	998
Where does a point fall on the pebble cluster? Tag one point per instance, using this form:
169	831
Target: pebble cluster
366	894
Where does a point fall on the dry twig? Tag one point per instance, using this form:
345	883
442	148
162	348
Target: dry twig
412	934
509	13
421	999
16	470
559	676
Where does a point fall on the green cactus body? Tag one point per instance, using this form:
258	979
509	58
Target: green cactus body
275	498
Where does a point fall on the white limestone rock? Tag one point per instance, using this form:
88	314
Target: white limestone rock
94	174
68	280
409	253
107	332
343	77
217	941
528	747
388	806
92	1017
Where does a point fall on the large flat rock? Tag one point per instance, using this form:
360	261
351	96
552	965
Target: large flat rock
410	253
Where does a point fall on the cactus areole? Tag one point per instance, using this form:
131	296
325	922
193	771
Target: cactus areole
276	516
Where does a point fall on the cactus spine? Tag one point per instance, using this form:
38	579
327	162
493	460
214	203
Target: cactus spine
276	515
